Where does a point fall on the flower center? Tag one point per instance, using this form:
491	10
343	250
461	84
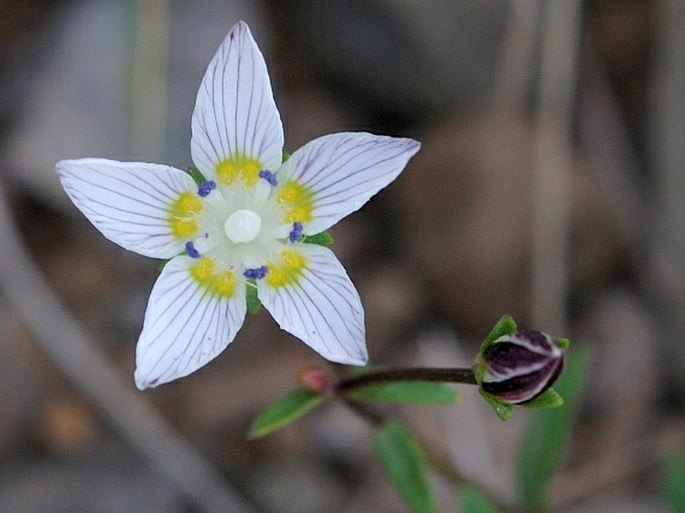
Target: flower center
243	225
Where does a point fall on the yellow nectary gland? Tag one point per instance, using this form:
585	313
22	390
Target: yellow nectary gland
222	283
183	214
245	168
287	270
297	201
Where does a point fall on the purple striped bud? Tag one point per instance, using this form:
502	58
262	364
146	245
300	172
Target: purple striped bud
518	367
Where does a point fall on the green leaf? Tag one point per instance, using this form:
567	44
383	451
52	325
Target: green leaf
503	410
322	239
163	264
287	409
472	501
403	461
675	483
504	326
543	442
548	399
420	392
286	156
196	175
253	302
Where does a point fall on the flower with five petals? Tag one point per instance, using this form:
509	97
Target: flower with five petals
244	224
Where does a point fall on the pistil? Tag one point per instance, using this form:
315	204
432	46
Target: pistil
243	226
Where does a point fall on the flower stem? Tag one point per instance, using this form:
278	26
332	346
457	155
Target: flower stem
448	375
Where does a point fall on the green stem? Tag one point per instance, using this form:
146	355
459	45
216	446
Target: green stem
465	376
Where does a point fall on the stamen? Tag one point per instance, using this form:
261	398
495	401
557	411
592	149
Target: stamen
191	251
206	188
269	177
256	274
296	232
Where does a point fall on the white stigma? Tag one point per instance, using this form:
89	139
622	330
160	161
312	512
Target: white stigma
243	225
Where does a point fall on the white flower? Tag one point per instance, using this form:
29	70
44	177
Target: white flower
244	227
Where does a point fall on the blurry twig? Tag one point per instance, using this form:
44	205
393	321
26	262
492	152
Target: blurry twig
87	367
148	71
611	154
667	271
552	171
516	58
668	124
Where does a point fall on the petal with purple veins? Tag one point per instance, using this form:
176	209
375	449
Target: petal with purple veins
338	173
235	117
318	304
129	202
186	325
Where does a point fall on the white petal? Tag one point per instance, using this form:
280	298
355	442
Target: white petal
323	308
235	113
185	327
128	201
343	171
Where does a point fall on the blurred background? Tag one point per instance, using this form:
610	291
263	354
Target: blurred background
550	186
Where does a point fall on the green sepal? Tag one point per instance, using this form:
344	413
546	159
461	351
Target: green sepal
404	463
675	483
253	302
503	410
416	392
287	409
472	501
196	175
163	264
504	326
548	399
322	239
286	156
563	343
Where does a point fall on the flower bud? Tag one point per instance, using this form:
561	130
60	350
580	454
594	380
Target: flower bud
316	380
518	367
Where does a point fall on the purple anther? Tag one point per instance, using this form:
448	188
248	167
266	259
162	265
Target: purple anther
269	177
206	188
296	232
191	251
256	274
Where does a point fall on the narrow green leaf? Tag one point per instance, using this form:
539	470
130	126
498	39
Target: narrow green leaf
472	501
196	175
675	484
504	326
401	458
543	442
287	409
322	239
163	264
548	399
286	156
419	392
253	302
